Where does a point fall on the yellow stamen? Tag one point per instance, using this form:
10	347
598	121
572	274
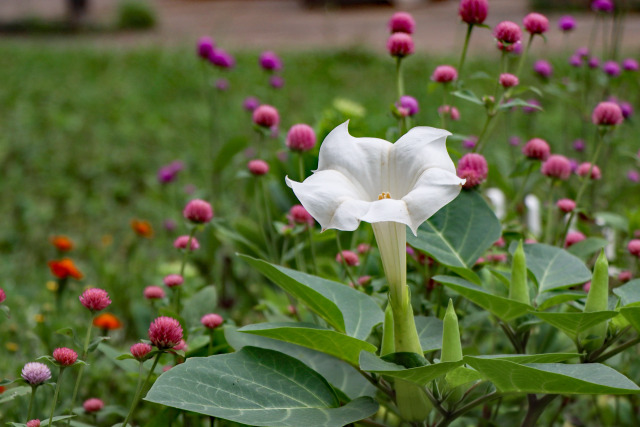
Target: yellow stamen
384	195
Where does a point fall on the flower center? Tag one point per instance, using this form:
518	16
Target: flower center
384	195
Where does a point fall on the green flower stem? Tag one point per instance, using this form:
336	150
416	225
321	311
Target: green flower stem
301	166
55	396
548	226
483	133
185	255
140	387
450	417
617	350
344	262
523	58
272	240
402	126
263	225
85	350
388	345
31	400
312	248
464	49
536	408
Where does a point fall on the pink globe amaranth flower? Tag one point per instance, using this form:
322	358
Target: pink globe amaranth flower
587	286
182	242
593	62
508	80
537	149
402	22
605	6
611	68
444	74
182	345
221	58
473	11
173	280
582	52
95	299
566	23
474	168
500	243
258	167
165	332
529	110
634	247
140	350
301	137
448	110
266	116
566	205
93	405
363	248
33	423
250	103
364	280
276	82
65	356
3	296
222	84
579	145
507	32
543	68
573	237
270	61
575	61
35	373
584	168
625	276
557	166
496	258
630	64
536	23
470	142
198	211
205	47
299	215
211	320
633	176
400	45
350	258
410	104
154	292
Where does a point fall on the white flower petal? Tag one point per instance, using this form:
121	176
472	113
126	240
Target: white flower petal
387	210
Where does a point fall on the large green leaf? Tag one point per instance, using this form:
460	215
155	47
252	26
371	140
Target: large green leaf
458	234
422	375
502	307
549	299
555	378
12	393
632	314
344	308
314	337
587	247
531	358
340	375
629	293
202	302
258	387
574	323
429	332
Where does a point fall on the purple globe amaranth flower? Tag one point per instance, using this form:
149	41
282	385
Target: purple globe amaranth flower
474	168
276	82
140	350
402	22
299	215
95	299
630	64
270	61
444	74
410	104
205	47
605	6
258	167
182	242
198	211
33	423
626	108
470	142
634	247
173	280
537	149
154	292
607	114
400	45
221	58
169	225
3	296
582	52
566	23
573	237
579	145
508	80
575	61
65	356
536	23
35	373
266	116
586	169
507	32
169	173
633	176
543	68
566	205
211	320
93	405
611	68
165	332
593	62
556	166
250	103
349	257
514	141
473	12
301	137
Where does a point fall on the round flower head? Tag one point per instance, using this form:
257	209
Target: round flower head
62	243
634	247
474	168
627	109
222	84
153	292
95	299
33	423
258	167
93	405
142	228
448	110
173	280
593	62
3	296
409	104
140	350
557	166
536	23
607	114
605	6
363	248
611	68
587	286
270	61
107	321
470	142
182	345
364	280
566	23
276	82
182	242
536	149
350	258
198	211
543	68
633	176
566	205
35	373
211	320
630	64
64	269
251	103
402	22
165	332
507	32
65	356
514	141
573	237
579	145
299	215
582	52
508	80
222	59
400	45
205	47
444	74
266	116
575	61
301	138
584	168
625	276
473	11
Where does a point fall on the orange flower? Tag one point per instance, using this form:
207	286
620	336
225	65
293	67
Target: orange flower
64	268
62	243
142	228
107	321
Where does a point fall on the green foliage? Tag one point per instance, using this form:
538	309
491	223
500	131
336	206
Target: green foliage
135	15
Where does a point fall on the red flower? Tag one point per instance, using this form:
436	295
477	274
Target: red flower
142	228
62	243
107	321
65	268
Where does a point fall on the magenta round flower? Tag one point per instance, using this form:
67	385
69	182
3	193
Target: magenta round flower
205	47
400	45
633	176
543	68
408	104
402	22
154	292
627	109
557	166
182	242
165	332
33	423
605	6
173	280
222	84
507	32
584	168
593	62
93	405
566	205
474	168
537	149
198	211
566	23
611	68
630	64
3	296
607	114
575	61
258	167
270	61
182	345
634	247
95	299
221	58
35	373
276	82
363	248
579	145
444	74
536	23
508	80
625	276
266	116
65	356
299	215
350	258
573	237
251	103
140	350
211	320
473	11
301	138
448	110
582	52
